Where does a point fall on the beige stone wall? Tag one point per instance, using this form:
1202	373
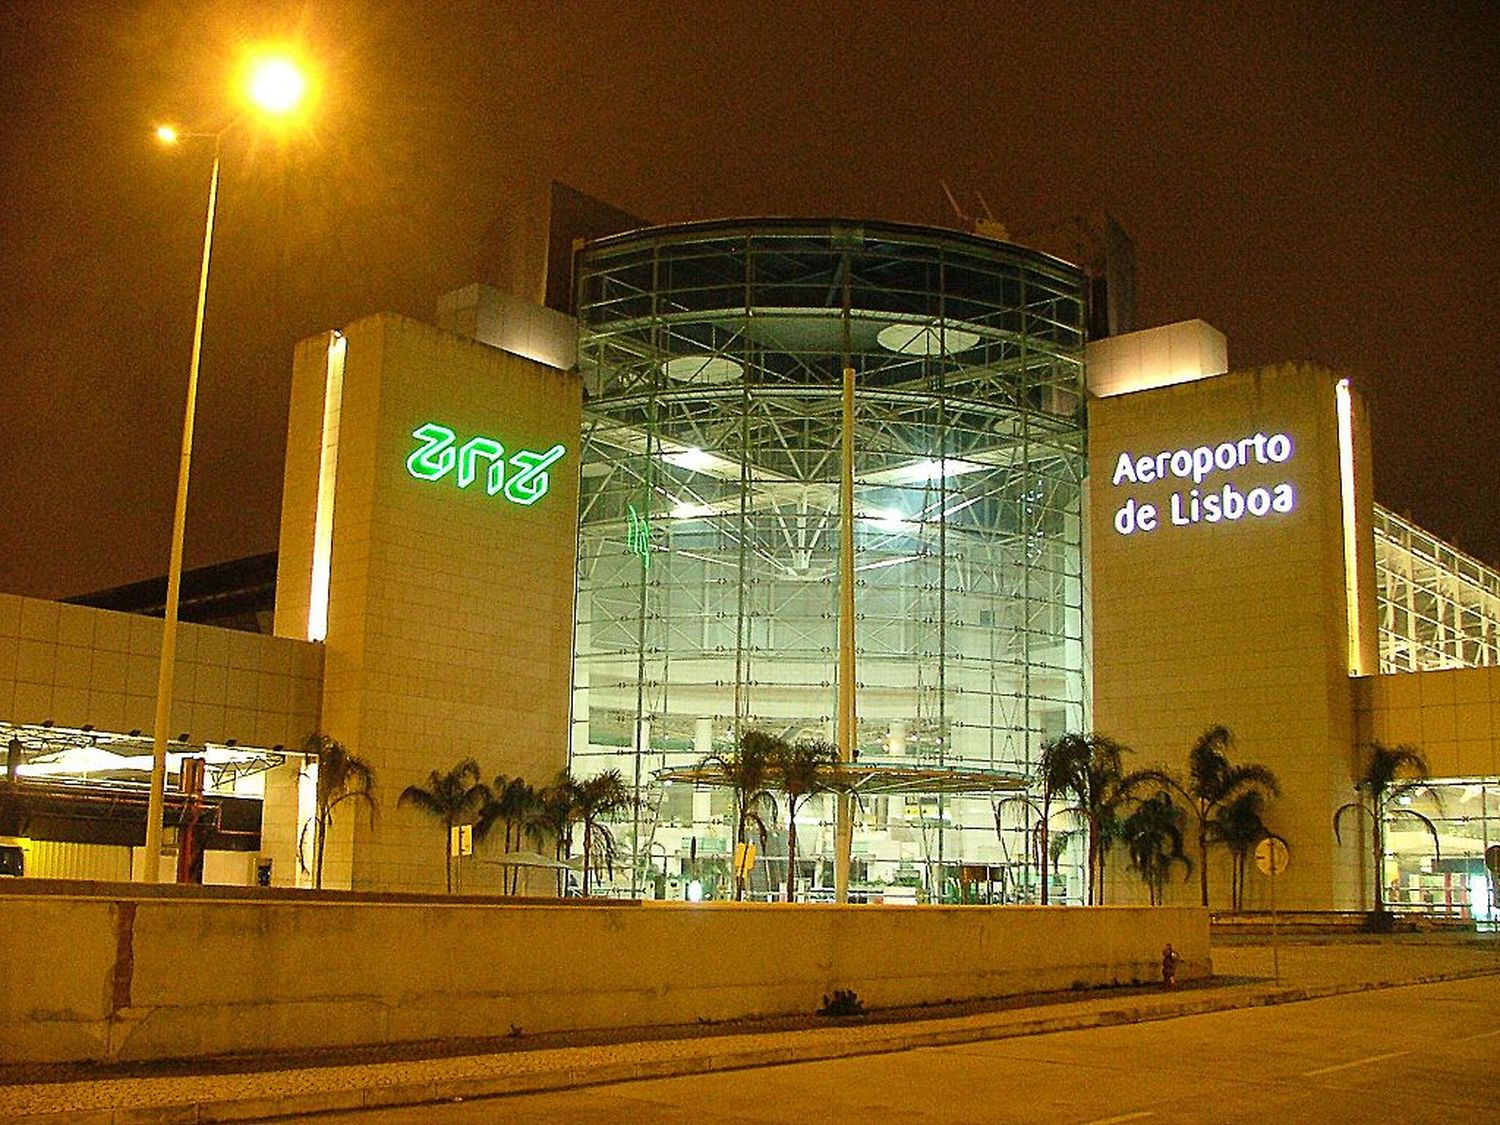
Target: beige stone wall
450	610
75	665
1452	716
1242	623
135	977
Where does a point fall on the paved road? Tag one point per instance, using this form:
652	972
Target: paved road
1414	1054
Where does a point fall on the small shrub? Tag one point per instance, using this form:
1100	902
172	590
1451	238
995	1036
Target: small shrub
514	1032
844	1002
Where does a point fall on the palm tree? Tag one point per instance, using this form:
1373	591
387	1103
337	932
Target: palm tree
801	770
746	772
1239	825
452	798
1057	764
1093	774
1153	835
1390	774
550	821
1212	782
342	776
598	798
511	800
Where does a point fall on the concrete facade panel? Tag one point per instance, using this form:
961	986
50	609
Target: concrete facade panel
1237	622
450	610
1455	721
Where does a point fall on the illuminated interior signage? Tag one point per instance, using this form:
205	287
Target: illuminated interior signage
439	453
638	535
1210	498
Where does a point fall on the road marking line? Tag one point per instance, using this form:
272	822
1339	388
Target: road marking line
1122	1117
1351	1065
1481	1035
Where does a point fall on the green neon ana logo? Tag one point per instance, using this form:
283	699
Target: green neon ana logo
439	454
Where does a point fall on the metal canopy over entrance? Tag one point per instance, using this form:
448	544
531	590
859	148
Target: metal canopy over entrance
885	780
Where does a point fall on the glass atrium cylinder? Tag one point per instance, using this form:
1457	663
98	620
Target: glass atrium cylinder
708	598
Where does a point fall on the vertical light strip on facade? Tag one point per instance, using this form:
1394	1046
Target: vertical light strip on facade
328	456
1351	543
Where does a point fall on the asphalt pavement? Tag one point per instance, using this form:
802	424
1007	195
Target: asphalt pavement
1419	1053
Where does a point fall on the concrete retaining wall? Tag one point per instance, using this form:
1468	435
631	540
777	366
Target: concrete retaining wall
124	976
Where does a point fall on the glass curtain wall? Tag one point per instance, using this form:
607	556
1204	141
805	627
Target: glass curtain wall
708	595
1439	608
1454	880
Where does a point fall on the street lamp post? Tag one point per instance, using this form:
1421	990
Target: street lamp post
276	85
151	861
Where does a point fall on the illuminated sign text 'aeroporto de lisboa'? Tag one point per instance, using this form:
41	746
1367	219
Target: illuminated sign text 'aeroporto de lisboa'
439	454
1220	503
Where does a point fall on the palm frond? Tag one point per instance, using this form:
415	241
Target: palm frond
417	797
1338	815
1237	779
1437	849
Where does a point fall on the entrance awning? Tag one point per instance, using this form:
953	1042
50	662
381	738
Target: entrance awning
881	779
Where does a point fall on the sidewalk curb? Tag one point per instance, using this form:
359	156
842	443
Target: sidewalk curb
717	1055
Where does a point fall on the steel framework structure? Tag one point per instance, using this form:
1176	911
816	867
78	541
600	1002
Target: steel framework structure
707	602
1438	607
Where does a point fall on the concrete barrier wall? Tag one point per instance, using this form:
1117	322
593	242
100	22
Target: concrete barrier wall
117	977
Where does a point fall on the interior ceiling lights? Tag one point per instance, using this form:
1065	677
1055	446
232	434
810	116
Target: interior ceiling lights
925	339
702	369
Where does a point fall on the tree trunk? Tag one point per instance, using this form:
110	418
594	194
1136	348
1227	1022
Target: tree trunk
1379	844
587	834
791	850
739	874
1203	855
320	833
1044	854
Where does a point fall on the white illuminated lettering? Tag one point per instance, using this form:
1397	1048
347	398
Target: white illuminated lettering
1203	463
1223	501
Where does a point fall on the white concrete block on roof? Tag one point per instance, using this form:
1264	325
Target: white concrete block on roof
513	324
1155	357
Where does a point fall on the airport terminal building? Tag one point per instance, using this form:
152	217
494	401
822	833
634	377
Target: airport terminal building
590	519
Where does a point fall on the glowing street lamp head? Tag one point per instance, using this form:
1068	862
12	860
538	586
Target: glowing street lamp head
276	84
166	134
